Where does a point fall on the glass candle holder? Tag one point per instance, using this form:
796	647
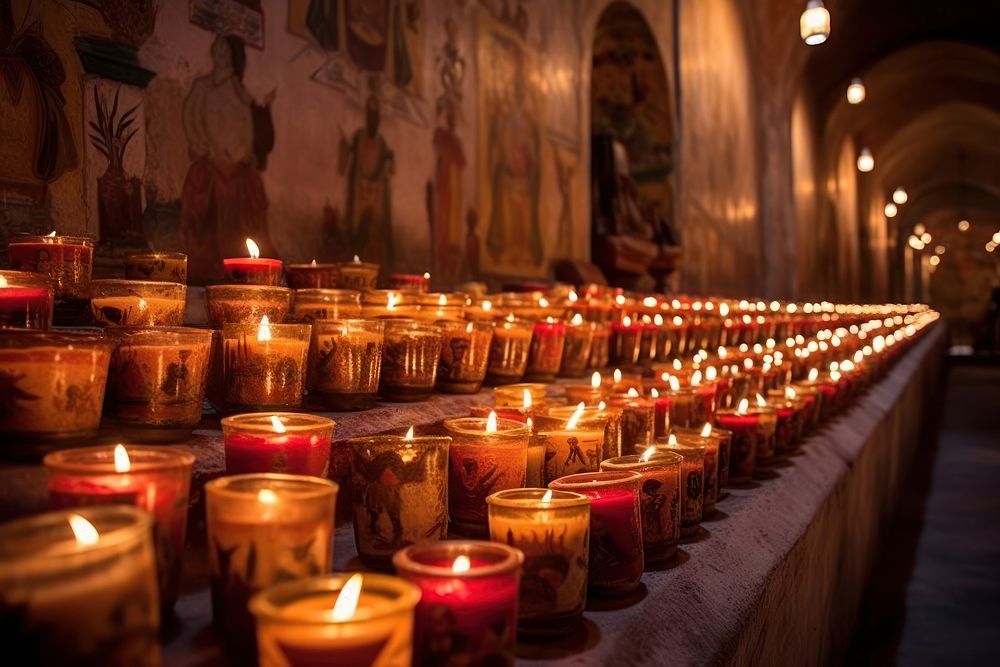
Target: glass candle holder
625	380
600	347
325	304
572	446
283	442
692	483
157	378
345	363
812	398
263	529
723	439
389	303
441	306
659	500
534	476
545	354
264	365
465	351
154	479
357	275
468	601
710	486
169	267
26	300
400	494
552	530
137	303
409	360
53	384
253	270
790	423
410	282
576	351
625	339
246	304
512	395
482	462
87	599
66	260
296	626
509	351
616	557
612	445
691	407
638	422
750	429
589	394
312	276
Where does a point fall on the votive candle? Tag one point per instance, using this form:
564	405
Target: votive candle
282	442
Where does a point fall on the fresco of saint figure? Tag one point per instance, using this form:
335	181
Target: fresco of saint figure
229	137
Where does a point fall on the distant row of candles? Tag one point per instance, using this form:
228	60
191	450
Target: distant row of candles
561	499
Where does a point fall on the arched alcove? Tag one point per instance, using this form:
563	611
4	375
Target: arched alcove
633	236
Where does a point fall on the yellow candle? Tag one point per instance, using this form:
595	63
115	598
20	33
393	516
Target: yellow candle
264	365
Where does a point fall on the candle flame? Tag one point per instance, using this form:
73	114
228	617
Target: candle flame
142	304
487	306
678	320
654	393
267	497
658	320
347	600
264	330
122	461
526	399
813	374
530	423
51	234
648	454
83	530
677	364
461	564
572	296
626	321
711	373
547	498
574	418
253	249
427	275
760	401
443	300
391	299
510	317
357	260
313	263
675	384
743	407
491	422
577	320
748	363
595	380
706	430
543	302
672	440
632	392
696	378
276	424
790	393
601	405
3	282
617	375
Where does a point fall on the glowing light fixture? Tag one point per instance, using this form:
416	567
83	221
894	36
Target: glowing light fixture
814	24
900	196
856	92
891	210
866	162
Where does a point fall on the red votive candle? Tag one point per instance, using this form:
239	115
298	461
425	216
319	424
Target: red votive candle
625	340
66	260
25	300
253	270
659	500
410	282
468	604
287	442
545	354
750	428
616	551
312	276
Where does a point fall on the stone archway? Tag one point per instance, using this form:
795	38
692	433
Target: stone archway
633	233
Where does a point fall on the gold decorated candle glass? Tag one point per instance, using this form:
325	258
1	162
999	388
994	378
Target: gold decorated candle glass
509	351
345	363
264	365
52	384
600	347
409	360
157	377
512	395
486	456
400	493
66	260
263	529
312	275
246	304
26	300
638	419
325	304
137	303
692	502
170	267
545	354
711	479
389	303
436	306
572	446
307	622
724	440
552	529
659	498
154	479
465	351
612	445
79	588
357	275
576	351
691	406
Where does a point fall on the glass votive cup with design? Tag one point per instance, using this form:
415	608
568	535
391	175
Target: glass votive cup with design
264	365
26	300
576	350
509	351
246	304
638	419
747	433
284	442
400	494
409	360
465	351
80	598
157	379
625	340
768	429
468	600
441	306
572	445
790	423
357	275
325	304
296	626
616	556
170	267
263	529
813	398
312	276
600	347
553	533
710	486
389	303
692	502
66	260
724	440
612	444
512	395
482	462
548	340
345	363
53	384
137	303
691	407
659	499
154	479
